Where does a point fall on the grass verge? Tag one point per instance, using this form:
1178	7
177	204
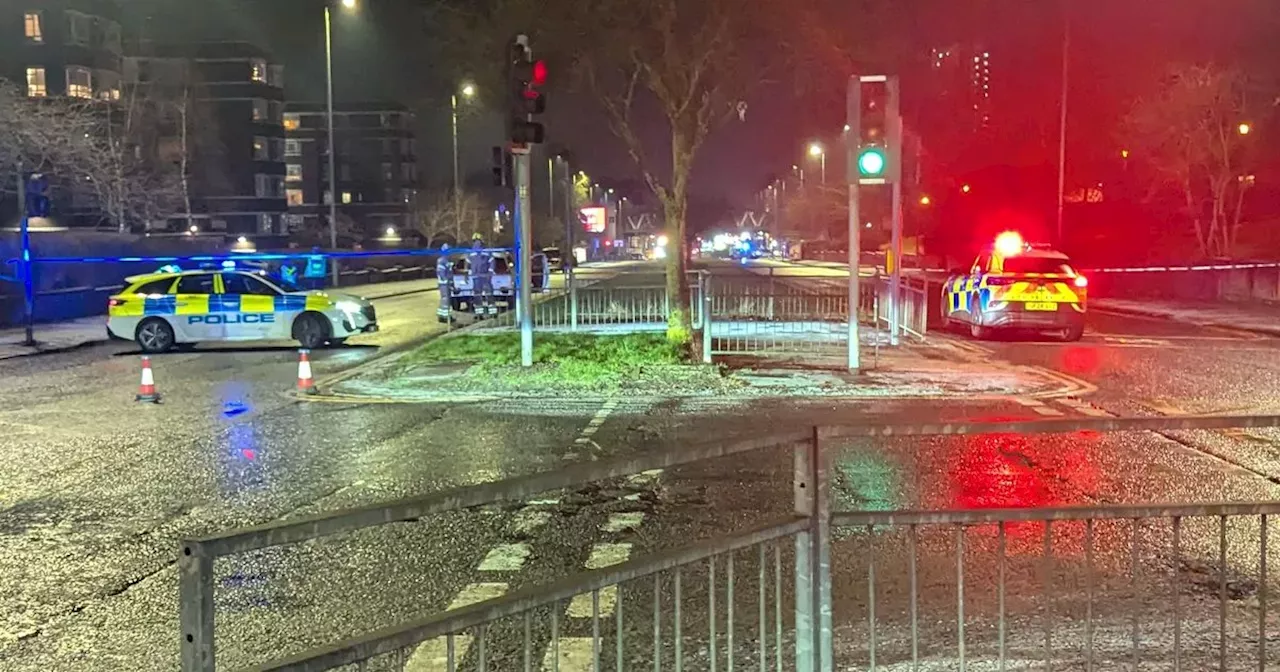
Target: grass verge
563	363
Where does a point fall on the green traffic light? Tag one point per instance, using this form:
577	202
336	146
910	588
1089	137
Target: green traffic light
871	162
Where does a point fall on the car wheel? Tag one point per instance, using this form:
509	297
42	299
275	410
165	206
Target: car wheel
311	330
976	329
155	335
1072	333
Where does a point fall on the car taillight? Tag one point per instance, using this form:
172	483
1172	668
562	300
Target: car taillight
1081	281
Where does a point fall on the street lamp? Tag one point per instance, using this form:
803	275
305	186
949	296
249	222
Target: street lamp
333	171
1244	128
925	200
816	150
467	90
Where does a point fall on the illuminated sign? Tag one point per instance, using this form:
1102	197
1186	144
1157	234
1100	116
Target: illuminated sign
594	219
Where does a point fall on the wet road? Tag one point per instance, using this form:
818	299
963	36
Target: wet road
97	490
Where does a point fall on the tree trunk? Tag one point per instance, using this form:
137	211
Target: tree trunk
675	206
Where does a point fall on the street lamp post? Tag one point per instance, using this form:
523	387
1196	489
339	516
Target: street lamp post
816	150
333	174
467	90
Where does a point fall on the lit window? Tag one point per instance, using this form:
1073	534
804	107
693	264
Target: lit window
294	222
34	31
291	122
79	82
259	109
292	148
266	223
293	196
108	85
258	70
35	83
346	197
293	171
260	149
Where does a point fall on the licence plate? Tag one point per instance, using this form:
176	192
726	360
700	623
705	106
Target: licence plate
1041	305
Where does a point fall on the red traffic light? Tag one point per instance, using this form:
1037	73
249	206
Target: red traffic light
538	73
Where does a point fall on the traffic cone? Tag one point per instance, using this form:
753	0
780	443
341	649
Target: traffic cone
305	383
147	388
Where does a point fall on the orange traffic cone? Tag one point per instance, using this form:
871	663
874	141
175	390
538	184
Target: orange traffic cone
147	388
305	383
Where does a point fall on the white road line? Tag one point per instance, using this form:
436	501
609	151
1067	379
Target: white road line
644	476
432	655
1032	403
1045	410
544	502
527	520
1085	408
604	555
505	558
576	654
580	605
618	522
477	592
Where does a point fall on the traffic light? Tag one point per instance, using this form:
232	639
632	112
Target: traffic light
525	77
501	167
875	130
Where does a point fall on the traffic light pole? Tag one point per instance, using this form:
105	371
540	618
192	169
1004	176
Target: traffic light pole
524	239
24	263
895	273
853	104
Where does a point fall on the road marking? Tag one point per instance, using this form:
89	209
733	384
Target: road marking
593	426
505	558
576	654
1085	408
1045	410
432	655
604	555
527	520
544	502
644	477
619	522
580	605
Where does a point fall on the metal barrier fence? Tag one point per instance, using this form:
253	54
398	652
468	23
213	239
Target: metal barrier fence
913	294
791	624
588	302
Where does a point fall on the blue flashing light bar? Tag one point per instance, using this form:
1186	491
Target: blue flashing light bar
272	256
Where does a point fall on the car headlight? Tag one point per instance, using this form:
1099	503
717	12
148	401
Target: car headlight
348	306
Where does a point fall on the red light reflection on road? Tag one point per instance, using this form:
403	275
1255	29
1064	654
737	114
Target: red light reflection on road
1014	471
1079	359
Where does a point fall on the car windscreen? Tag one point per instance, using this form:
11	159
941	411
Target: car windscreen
1036	265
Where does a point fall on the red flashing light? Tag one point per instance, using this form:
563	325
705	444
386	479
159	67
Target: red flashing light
1009	243
539	71
1081	281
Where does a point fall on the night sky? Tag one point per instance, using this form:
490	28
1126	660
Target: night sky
1119	47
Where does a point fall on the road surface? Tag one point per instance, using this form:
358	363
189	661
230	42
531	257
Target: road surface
97	489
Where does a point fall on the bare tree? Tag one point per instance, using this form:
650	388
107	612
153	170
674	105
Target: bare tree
1189	134
55	136
694	63
440	216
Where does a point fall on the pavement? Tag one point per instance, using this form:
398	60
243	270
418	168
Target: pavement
96	491
1254	317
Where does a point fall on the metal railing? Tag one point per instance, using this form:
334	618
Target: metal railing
594	302
913	293
793	621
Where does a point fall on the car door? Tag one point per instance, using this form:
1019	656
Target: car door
193	321
251	308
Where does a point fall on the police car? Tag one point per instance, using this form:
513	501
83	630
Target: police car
174	309
1015	285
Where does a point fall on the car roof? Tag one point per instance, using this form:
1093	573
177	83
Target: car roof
147	277
1042	254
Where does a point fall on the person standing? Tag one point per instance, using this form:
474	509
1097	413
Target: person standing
481	268
444	279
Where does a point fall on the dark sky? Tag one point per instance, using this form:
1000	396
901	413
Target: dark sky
1119	46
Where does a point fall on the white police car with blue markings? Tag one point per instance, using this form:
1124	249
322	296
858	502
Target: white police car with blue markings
174	309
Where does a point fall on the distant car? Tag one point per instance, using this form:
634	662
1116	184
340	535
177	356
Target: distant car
1014	285
636	255
161	311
